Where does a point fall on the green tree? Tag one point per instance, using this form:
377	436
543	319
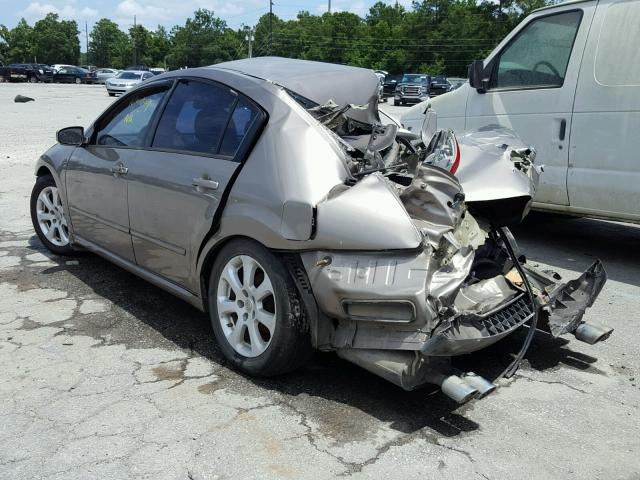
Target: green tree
19	42
109	46
204	40
56	41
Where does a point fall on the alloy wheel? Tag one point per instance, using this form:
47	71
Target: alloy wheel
51	218
246	306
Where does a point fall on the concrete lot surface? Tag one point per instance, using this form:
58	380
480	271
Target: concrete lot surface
103	376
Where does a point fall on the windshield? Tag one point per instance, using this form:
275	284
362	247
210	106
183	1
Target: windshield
130	76
413	78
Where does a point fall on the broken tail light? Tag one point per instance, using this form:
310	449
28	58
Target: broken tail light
446	152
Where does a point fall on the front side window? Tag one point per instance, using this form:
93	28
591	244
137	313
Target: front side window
195	118
130	123
539	55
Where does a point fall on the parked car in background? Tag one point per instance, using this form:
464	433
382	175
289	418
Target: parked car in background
105	74
567	79
126	80
58	66
91	68
5	73
412	88
389	85
438	85
226	186
75	75
157	70
381	74
34	72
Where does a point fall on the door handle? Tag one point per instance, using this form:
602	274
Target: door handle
205	183
563	129
119	169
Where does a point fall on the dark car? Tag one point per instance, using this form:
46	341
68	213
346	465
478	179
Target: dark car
412	88
438	85
5	73
31	72
389	85
75	75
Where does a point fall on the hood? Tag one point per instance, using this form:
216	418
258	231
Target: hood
316	81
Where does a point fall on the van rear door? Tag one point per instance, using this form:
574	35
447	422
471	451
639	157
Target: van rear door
533	75
604	159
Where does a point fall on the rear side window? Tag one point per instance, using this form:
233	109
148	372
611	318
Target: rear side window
195	118
618	54
539	55
241	121
129	124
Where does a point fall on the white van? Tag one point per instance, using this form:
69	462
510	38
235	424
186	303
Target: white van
567	80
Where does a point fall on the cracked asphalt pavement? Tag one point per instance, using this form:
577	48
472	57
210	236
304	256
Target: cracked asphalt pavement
104	376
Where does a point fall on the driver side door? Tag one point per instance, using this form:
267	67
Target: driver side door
97	173
531	91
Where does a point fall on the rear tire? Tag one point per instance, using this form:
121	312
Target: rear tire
33	80
395	102
48	216
256	312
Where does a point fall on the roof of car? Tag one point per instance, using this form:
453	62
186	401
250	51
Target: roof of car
317	81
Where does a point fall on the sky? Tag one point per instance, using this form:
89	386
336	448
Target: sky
151	13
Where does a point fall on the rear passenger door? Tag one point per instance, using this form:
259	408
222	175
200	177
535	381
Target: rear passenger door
176	185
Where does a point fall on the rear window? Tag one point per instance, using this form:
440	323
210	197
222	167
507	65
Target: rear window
618	55
129	76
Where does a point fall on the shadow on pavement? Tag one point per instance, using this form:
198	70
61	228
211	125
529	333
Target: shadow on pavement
575	243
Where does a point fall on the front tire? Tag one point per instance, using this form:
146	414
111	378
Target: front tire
48	218
78	81
256	312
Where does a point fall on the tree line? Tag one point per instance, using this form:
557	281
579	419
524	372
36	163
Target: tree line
433	36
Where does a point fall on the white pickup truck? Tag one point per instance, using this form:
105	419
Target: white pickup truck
567	80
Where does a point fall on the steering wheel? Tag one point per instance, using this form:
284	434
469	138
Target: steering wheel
548	65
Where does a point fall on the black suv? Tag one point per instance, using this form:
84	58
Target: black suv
412	88
32	72
438	85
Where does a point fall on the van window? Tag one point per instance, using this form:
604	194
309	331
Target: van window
539	55
618	55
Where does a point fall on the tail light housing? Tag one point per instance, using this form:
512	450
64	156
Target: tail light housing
444	151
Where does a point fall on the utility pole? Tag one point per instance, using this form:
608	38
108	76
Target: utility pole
86	37
249	38
329	9
135	47
270	27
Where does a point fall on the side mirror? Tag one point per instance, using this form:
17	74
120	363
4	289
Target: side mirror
429	127
476	76
71	136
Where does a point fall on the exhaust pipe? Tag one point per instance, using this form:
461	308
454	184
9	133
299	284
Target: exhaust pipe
591	333
457	389
409	371
484	386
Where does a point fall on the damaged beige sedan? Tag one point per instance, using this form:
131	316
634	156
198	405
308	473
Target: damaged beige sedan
270	193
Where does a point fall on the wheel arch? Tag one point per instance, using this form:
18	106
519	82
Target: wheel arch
208	253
